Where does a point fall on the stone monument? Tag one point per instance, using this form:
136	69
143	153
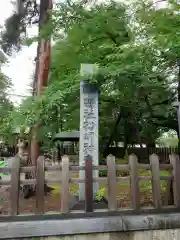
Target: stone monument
21	148
89	124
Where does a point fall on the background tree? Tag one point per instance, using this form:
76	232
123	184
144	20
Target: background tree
136	83
26	13
6	108
169	139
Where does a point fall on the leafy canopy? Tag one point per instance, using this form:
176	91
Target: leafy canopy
135	77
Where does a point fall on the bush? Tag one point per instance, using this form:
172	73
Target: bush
100	194
102	161
103	173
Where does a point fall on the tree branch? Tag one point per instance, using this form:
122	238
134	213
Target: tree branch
164	102
169	123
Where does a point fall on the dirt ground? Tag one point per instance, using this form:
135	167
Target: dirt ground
52	201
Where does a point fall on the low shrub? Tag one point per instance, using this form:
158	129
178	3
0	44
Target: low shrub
102	173
100	194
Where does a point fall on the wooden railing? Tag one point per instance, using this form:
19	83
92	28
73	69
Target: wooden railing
66	178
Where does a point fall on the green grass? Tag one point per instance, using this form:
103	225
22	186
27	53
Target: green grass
144	185
73	189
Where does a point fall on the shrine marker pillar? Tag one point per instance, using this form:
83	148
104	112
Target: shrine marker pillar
89	125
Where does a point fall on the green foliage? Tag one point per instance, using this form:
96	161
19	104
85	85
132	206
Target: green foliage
100	194
12	35
6	108
135	64
3	164
102	173
14	32
168	140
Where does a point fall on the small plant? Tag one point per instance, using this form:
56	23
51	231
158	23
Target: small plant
102	173
2	164
100	194
102	161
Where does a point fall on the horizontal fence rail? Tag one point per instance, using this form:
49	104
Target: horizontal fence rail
66	178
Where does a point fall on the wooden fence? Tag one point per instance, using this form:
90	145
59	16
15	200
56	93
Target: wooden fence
66	170
143	153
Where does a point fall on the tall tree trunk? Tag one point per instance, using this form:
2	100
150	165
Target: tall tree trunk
105	152
40	81
126	139
59	152
178	108
151	144
41	73
137	130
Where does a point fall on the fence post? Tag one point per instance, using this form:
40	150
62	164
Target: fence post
65	185
88	184
174	160
156	187
40	183
134	181
111	164
15	184
167	196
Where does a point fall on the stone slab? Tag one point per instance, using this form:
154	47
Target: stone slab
89	225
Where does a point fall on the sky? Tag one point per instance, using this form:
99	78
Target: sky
20	67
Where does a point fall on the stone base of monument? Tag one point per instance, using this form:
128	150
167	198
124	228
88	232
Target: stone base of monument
75	204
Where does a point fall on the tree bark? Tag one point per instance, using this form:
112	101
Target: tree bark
41	73
105	152
125	138
40	81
